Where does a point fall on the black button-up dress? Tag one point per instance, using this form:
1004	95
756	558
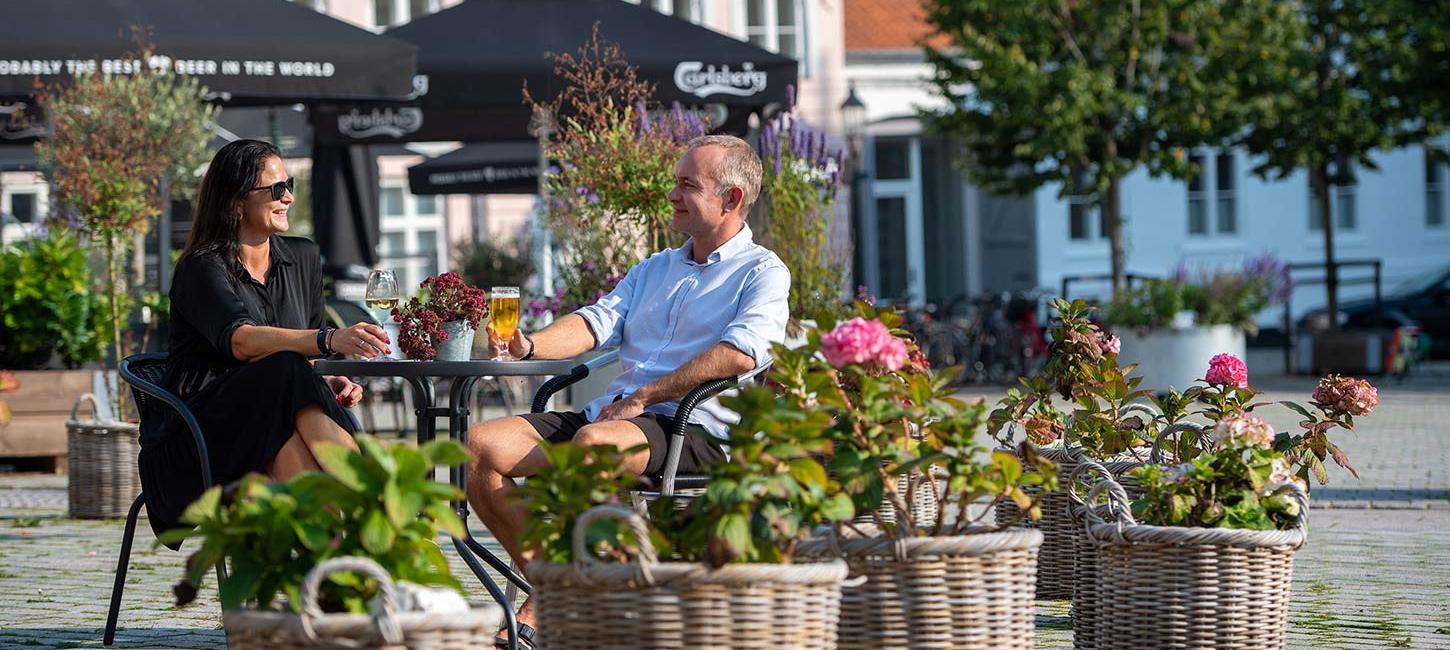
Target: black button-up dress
246	410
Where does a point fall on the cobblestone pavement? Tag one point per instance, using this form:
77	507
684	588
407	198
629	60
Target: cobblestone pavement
1375	573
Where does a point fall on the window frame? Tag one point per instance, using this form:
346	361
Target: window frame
1216	195
412	262
1435	181
402	12
769	30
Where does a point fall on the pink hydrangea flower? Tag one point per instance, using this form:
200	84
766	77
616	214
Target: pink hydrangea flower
1346	395
863	342
1111	344
1227	370
1246	428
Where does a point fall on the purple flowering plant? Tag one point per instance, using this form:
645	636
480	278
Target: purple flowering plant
1221	297
798	192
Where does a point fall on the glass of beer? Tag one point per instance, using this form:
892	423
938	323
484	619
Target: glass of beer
503	316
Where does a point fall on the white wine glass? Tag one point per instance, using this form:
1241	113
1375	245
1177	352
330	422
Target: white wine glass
383	295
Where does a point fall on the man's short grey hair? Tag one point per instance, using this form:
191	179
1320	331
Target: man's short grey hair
740	168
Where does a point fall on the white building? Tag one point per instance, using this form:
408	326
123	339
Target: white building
936	236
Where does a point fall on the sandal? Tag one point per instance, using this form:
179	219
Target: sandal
526	638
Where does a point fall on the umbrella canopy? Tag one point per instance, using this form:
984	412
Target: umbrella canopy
476	56
244	51
479	168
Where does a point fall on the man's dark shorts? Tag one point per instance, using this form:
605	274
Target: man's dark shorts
700	447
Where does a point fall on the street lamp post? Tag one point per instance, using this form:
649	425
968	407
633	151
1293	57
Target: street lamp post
853	114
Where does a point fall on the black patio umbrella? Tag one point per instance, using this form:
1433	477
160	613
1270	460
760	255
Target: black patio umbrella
479	168
477	55
244	51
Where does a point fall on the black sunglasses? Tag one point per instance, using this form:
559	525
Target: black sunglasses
277	188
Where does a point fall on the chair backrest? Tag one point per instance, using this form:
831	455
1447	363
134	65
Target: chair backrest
140	369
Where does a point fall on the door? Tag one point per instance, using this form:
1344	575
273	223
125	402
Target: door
896	269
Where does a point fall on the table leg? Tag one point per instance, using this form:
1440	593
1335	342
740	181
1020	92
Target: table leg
458	420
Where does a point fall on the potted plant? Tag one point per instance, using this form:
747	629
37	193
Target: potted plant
1168	327
718	570
892	419
1225	402
378	504
50	325
1105	417
1231	517
120	146
441	325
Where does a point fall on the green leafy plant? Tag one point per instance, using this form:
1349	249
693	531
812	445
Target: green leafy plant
765	498
488	263
46	305
1237	486
1224	297
379	503
898	434
1104	418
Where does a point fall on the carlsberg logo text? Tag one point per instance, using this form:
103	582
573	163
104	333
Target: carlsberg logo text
702	80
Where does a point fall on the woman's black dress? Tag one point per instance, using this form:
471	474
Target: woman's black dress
246	410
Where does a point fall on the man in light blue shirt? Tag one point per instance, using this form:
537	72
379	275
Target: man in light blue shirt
707	310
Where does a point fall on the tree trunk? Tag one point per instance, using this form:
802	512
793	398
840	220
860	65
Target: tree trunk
113	291
1113	221
1319	180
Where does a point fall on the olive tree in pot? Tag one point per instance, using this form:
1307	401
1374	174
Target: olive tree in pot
119	147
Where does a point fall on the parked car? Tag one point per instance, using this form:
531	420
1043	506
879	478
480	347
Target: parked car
1422	301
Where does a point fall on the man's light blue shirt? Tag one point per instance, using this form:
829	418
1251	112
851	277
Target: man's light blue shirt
669	309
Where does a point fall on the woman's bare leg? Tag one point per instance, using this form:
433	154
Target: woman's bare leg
294	458
315	427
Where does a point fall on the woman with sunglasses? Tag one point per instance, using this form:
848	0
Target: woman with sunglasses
246	314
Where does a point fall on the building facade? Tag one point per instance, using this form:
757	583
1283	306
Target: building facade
930	236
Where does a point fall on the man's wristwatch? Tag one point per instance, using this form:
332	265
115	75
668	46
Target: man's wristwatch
530	354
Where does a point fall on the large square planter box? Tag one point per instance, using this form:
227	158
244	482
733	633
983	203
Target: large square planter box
1354	352
1176	357
41	407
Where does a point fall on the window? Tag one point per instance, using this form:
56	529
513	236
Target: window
1081	212
684	9
1434	190
893	159
388	13
1212	212
315	5
412	235
779	26
23	206
1342	208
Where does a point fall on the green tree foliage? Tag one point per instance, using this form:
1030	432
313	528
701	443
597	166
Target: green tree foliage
1362	75
118	142
46	305
1083	93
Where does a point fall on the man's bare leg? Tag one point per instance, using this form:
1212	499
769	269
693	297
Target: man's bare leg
508	448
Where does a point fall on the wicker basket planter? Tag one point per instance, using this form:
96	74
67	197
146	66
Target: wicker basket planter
248	629
652	604
1087	610
965	592
102	478
1178	588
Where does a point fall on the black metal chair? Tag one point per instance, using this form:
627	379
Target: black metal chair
669	480
144	372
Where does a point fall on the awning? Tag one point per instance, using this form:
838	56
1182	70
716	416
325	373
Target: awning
479	168
18	158
475	57
244	51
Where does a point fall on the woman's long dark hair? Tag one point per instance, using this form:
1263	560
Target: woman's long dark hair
217	221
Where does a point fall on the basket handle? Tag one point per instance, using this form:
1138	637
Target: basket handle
1155	455
583	558
75	410
386	621
1076	479
1117	504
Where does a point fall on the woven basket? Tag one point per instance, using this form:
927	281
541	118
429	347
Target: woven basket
102	478
1087	607
965	592
923	504
1173	588
249	629
651	604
